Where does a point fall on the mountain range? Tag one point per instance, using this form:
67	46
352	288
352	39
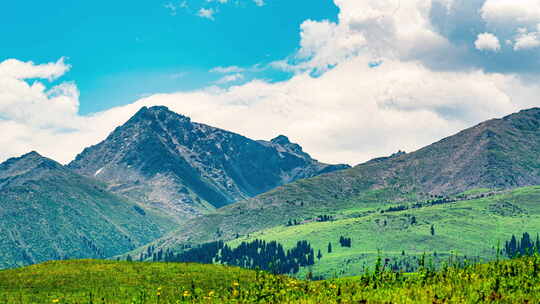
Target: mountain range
494	156
163	181
150	174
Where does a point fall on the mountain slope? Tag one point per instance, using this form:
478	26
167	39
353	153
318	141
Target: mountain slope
168	162
471	227
500	153
49	212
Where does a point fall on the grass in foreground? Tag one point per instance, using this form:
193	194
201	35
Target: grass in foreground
90	281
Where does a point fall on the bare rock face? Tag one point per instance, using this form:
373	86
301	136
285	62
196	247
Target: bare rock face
168	162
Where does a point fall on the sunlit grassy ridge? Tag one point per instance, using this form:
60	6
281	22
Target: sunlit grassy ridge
470	227
90	281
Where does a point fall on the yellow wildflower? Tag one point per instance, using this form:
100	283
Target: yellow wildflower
186	293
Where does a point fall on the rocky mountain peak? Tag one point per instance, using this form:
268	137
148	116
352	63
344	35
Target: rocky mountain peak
30	166
32	154
283	144
158	114
26	163
166	160
281	139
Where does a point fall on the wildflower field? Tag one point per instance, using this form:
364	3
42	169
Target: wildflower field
93	281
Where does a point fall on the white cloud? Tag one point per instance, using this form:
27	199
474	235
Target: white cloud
230	78
510	16
527	40
31	103
207	13
226	70
503	13
16	69
487	42
381	28
259	2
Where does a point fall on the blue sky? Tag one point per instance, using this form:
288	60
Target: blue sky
120	51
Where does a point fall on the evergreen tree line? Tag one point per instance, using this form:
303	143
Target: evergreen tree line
434	202
324	218
258	254
320	218
293	222
525	246
345	242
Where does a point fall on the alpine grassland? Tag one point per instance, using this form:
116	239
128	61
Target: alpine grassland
94	281
472	228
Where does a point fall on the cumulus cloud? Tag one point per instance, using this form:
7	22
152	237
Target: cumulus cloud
510	17
16	69
347	111
30	102
503	13
487	42
527	40
381	28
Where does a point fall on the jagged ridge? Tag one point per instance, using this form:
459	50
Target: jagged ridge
167	161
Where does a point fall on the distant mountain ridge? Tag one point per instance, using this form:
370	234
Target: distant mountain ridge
168	162
496	154
150	173
49	212
499	153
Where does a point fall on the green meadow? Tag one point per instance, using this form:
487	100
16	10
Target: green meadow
93	281
473	228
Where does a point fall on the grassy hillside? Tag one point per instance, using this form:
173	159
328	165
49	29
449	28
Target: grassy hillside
87	281
469	227
48	212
